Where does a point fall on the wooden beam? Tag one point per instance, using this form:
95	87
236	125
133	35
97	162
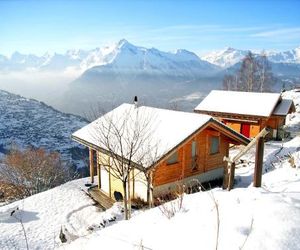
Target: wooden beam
231	176
98	169
261	134
226	170
151	188
232	161
183	163
91	155
109	178
133	184
129	195
226	176
259	155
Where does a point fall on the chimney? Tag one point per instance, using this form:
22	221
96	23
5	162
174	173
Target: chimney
135	102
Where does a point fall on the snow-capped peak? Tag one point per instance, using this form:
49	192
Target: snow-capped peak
226	57
123	42
125	54
230	56
188	55
229	50
289	56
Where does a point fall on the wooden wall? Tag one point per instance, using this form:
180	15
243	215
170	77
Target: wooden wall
274	122
254	128
256	123
138	184
165	173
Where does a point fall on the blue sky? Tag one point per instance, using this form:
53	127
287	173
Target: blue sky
200	26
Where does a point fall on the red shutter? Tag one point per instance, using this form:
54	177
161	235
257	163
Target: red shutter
245	130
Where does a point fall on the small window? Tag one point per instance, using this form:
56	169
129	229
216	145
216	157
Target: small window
194	163
173	158
214	144
194	149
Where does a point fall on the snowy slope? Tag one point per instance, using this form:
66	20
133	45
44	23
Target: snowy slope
250	218
44	214
27	122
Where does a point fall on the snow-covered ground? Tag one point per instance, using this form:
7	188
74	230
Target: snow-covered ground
249	218
44	214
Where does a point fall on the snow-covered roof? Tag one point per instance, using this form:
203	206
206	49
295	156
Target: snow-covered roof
283	107
236	102
164	130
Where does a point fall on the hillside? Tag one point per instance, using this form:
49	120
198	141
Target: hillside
27	122
249	218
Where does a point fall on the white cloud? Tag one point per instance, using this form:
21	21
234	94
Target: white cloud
287	33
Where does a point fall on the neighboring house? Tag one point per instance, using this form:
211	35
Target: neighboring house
248	112
181	146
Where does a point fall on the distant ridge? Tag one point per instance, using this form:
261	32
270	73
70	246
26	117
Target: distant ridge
82	60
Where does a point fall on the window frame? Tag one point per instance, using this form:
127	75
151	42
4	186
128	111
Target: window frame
168	162
211	138
194	157
194	149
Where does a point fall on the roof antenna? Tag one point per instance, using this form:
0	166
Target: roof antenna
135	102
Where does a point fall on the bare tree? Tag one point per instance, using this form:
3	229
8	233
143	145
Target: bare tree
230	82
254	74
125	137
265	75
248	73
31	171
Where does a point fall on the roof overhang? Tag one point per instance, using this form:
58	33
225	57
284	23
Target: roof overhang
232	116
284	107
104	151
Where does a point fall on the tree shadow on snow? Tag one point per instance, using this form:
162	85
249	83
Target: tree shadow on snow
17	216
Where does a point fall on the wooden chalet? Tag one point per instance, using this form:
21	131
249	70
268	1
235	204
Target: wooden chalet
188	147
248	112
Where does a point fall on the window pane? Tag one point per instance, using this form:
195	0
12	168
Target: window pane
194	163
194	149
214	144
173	158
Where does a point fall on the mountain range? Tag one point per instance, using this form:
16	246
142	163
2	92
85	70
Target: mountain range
123	55
111	75
130	57
126	70
230	56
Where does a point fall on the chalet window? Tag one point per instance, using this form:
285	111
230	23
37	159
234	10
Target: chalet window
194	147
173	158
194	155
214	144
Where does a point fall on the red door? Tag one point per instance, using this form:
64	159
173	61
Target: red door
245	130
